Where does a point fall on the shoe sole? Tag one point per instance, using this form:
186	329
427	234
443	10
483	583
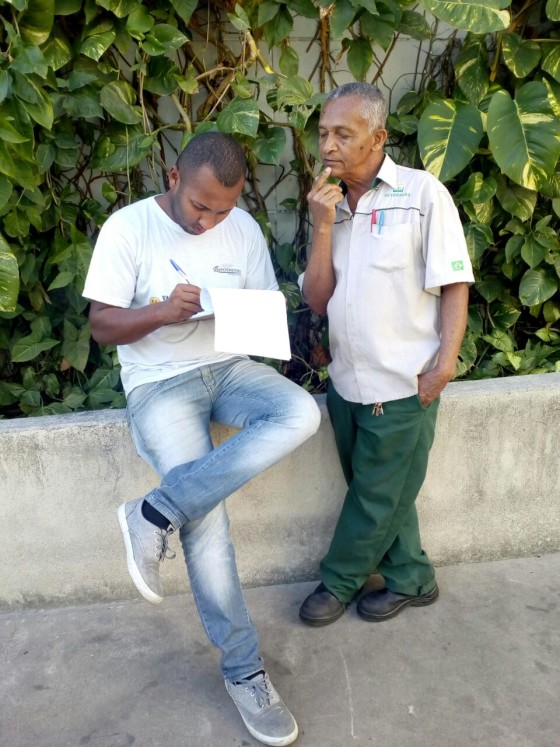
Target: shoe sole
133	571
424	601
272	741
319	623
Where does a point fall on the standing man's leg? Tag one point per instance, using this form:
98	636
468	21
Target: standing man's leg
387	468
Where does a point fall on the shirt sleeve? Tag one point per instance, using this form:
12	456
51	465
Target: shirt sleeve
112	273
260	272
443	244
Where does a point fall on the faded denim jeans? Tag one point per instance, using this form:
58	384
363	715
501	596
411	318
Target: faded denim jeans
170	421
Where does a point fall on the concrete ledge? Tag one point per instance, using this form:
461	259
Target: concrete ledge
492	492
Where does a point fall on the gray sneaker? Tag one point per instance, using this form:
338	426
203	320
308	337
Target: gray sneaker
146	548
265	714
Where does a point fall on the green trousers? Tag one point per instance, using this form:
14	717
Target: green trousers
384	459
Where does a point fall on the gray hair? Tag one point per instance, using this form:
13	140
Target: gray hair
373	106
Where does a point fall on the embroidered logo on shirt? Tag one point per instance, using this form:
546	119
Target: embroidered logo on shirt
227	269
458	265
154	299
399	191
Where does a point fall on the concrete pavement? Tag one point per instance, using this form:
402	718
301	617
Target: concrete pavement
480	667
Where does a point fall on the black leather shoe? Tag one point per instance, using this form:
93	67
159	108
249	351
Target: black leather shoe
385	604
321	608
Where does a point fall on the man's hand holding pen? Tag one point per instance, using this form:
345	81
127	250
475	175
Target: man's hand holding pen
183	303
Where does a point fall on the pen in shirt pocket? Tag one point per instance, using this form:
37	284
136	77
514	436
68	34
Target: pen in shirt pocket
381	220
180	271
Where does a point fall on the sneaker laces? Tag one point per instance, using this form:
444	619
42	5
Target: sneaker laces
162	550
260	690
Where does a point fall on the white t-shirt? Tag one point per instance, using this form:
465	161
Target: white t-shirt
404	242
131	268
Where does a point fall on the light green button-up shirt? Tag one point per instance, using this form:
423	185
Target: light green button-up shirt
391	258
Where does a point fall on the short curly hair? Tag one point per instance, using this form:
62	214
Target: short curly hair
220	152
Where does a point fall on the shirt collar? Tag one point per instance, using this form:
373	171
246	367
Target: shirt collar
387	173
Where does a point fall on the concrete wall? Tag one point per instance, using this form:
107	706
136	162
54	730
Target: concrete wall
492	491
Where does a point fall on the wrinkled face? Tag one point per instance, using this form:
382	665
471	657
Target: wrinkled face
345	143
197	201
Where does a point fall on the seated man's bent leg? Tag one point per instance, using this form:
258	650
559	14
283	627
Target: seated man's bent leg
169	421
274	416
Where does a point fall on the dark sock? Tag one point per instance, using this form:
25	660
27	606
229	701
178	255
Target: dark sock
251	677
152	515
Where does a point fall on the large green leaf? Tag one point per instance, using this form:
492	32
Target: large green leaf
524	134
6	189
304	8
163	38
342	15
120	8
139	22
551	60
28	58
267	10
42	111
9	278
162	76
118	98
21	172
75	347
36	21
521	56
241	116
516	199
536	287
28	348
478	16
533	251
449	133
294	91
57	51
269	147
381	28
185	9
121	148
95	45
67	7
414	24
553	10
359	57
279	27
289	61
8	132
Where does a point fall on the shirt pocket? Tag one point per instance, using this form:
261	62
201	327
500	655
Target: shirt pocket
390	249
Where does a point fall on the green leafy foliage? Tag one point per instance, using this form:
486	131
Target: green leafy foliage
97	97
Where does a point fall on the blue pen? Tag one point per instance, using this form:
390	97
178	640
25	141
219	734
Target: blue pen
180	271
381	220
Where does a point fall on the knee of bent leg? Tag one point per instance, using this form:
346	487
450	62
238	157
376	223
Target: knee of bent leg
306	414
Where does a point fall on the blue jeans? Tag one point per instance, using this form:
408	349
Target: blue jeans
169	421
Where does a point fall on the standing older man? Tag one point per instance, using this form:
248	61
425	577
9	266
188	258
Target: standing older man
389	265
149	264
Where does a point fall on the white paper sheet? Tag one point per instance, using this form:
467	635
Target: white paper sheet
249	322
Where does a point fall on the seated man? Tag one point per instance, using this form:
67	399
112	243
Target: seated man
176	384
